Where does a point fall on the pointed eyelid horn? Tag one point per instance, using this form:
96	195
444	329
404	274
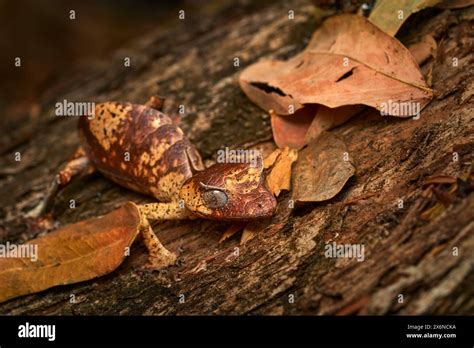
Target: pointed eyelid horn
209	187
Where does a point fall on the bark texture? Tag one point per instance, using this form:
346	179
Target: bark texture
192	64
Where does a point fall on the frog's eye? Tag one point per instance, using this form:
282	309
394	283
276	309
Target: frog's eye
215	198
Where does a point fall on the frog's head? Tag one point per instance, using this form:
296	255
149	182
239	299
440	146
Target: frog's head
229	191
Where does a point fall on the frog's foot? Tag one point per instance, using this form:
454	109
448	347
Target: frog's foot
158	256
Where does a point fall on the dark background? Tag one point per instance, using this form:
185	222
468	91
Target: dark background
50	44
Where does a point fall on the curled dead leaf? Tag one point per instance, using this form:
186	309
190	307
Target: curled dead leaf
290	131
327	119
389	15
308	123
348	61
74	253
322	169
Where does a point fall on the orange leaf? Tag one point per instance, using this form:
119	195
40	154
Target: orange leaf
291	130
306	124
327	118
74	253
279	178
270	160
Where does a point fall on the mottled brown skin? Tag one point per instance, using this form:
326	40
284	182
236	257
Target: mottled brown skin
140	148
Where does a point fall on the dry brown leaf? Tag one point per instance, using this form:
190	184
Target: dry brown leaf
327	118
279	178
290	131
348	61
307	123
423	49
74	253
322	169
264	95
389	15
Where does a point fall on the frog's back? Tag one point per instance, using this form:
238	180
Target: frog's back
139	148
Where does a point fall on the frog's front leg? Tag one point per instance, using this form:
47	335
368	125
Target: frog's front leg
165	211
158	255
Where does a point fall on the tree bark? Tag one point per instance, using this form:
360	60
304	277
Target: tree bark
411	265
